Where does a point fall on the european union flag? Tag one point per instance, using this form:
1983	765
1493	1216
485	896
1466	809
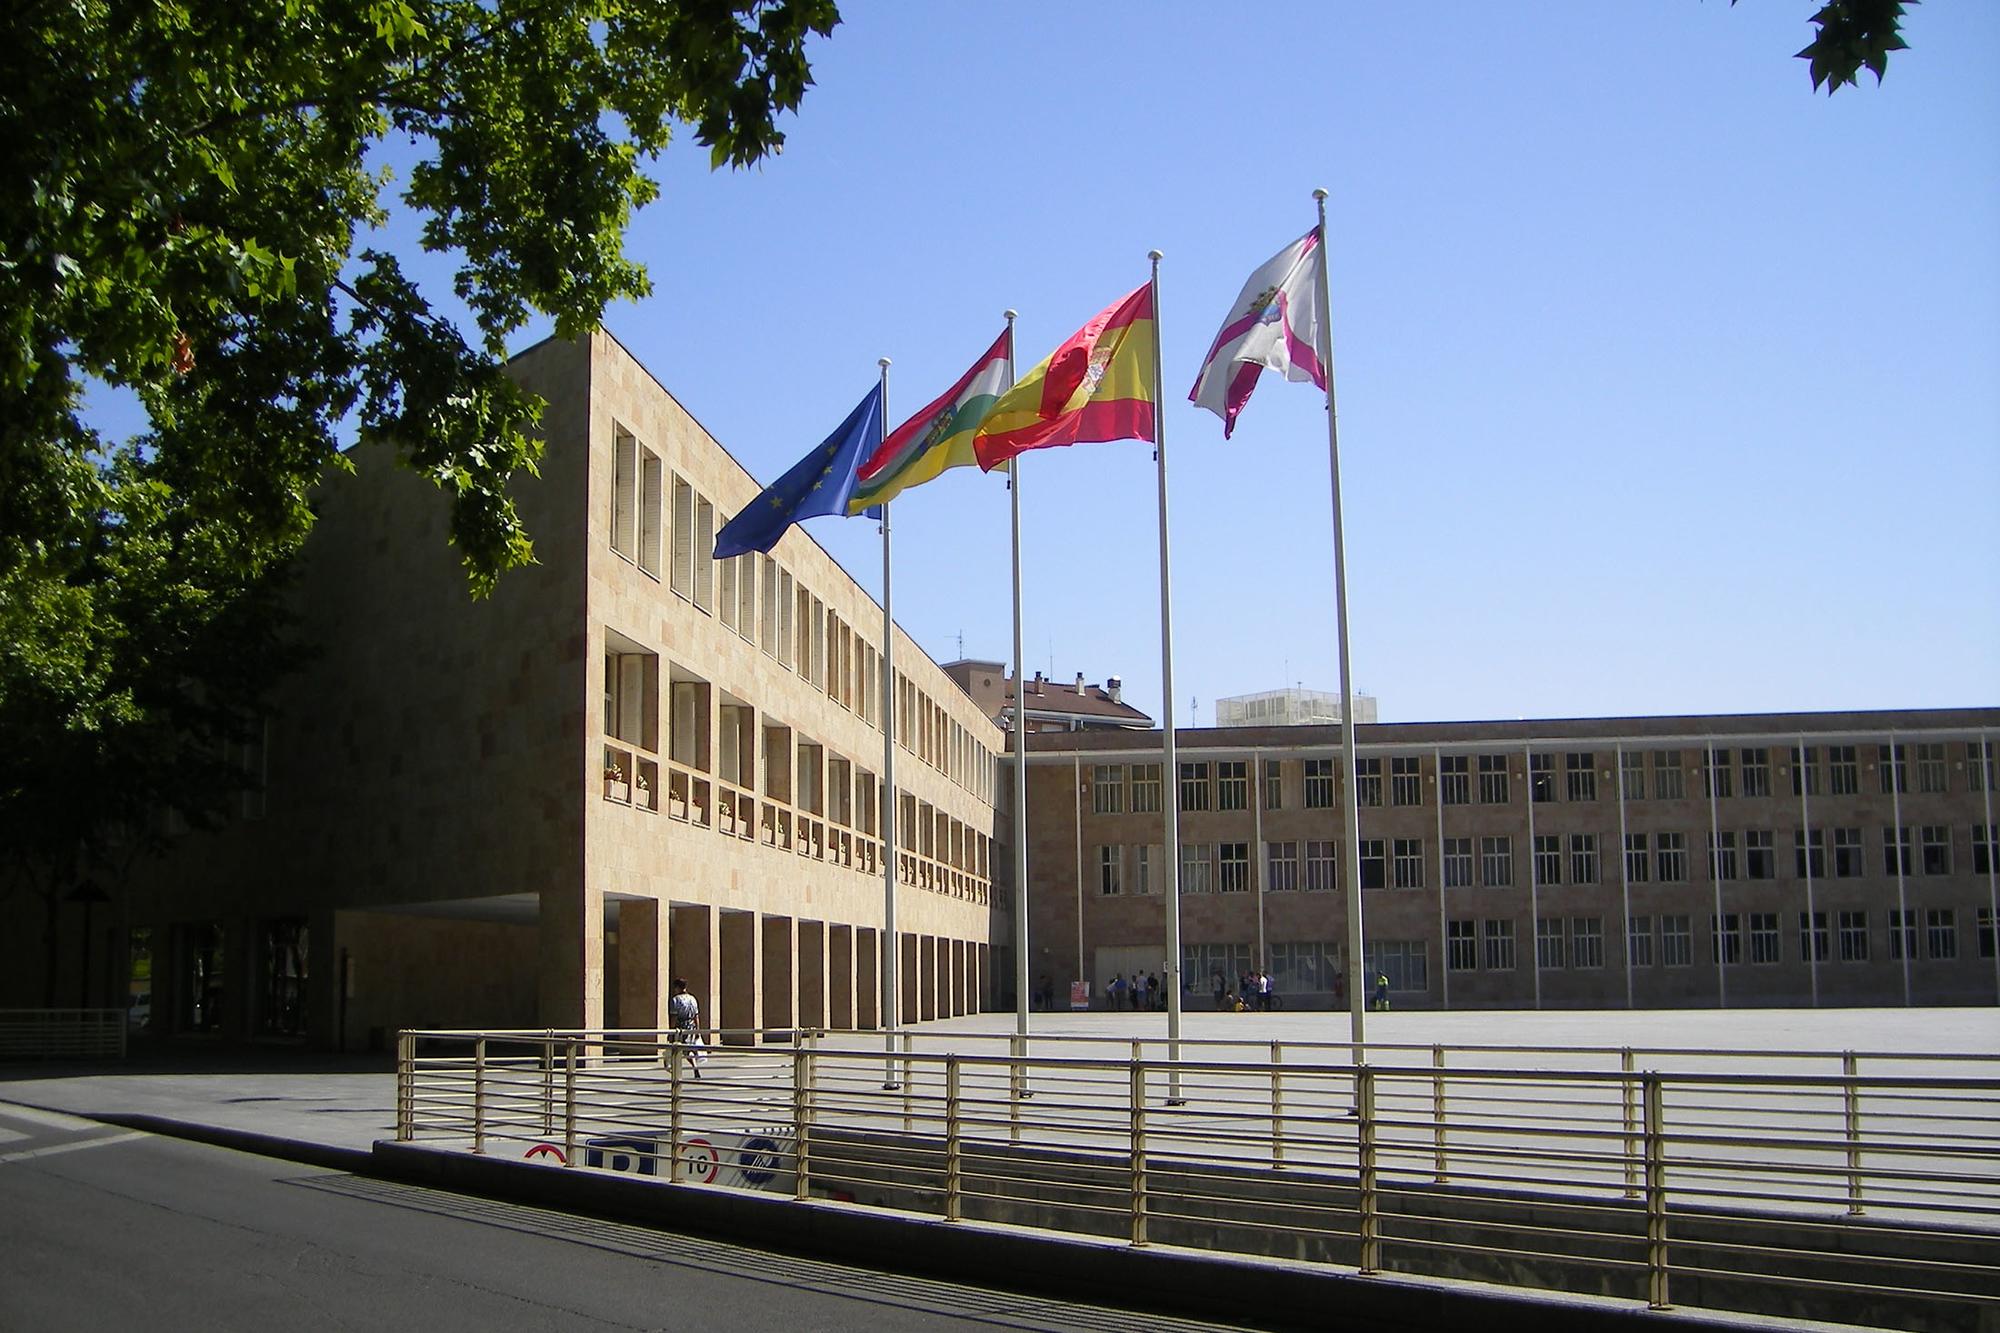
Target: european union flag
819	483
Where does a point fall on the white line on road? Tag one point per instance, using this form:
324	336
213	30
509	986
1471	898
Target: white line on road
34	1115
27	1154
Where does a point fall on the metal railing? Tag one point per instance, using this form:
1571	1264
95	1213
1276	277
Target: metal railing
1822	1191
61	1034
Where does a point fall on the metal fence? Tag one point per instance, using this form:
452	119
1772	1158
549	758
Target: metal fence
61	1034
1842	1186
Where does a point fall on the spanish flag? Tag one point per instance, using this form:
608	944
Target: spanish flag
1098	386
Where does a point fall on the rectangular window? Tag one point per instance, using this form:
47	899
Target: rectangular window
1145	789
624	494
1374	864
1722	856
1987	942
746	598
1406	782
1406	963
1233	867
1455	779
1194	787
1500	946
1145	875
1930	767
726	597
1936	845
1805	771
1983	851
1548	859
1757	772
1458	863
1668	781
1763	937
1586	942
1843	771
1581	772
1815	944
1282	862
1891	770
1809	853
1583	858
1726	937
1232	785
1670	857
785	634
1632	775
1319	784
1980	760
1853	937
1274	787
1676	941
1760	859
650	492
1902	933
1409	863
1896	850
683	566
1637	861
1639	941
1549	943
1110	871
1941	932
1197	868
1368	782
704	555
1496	862
1493	779
769	642
1847	853
1461	951
1321	876
1715	773
1107	789
1541	778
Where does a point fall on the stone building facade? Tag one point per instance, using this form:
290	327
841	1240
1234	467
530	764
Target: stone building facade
1658	862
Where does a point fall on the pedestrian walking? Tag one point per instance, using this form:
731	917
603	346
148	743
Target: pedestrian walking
684	1016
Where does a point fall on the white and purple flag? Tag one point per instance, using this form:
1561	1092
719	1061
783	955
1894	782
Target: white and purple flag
1274	325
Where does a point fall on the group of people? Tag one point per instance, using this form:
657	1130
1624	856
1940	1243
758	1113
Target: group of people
1136	992
1254	990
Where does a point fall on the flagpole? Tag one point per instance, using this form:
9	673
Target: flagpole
891	953
1350	812
1020	745
1170	767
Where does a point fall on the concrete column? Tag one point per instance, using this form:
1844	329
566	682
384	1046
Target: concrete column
984	978
968	972
693	952
741	980
927	993
906	981
867	977
570	988
840	976
642	958
812	974
952	974
780	987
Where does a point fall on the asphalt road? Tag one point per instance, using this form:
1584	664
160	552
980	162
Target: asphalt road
103	1228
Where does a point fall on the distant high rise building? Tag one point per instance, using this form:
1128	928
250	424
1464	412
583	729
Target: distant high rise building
1295	707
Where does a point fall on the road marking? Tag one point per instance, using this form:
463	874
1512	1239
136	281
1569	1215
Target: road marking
11	1135
31	1153
34	1115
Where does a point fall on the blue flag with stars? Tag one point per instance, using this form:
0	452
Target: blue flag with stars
819	483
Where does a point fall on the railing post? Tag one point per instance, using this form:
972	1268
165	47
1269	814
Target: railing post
1850	1069
406	1087
802	1078
1656	1193
479	1095
548	1081
1016	1084
953	1181
1138	1153
1277	1106
1437	1112
674	1063
1364	1108
1629	1100
569	1105
909	1093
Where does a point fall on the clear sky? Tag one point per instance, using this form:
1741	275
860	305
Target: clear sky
1665	385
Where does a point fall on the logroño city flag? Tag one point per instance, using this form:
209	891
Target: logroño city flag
939	436
1098	386
1274	325
817	484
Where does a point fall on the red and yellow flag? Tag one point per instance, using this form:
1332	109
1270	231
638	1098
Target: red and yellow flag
1098	386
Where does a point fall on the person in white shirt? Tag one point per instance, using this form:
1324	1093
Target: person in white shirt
684	1014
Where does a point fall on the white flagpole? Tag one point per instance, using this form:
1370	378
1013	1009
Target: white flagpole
1169	767
1350	813
891	946
1020	746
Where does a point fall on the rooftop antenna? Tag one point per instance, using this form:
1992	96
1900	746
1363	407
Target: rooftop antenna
1194	711
961	645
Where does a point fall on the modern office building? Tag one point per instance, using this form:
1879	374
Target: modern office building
1808	859
1295	706
631	763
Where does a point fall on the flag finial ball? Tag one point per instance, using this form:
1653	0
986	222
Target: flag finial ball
1320	195
1155	256
883	362
1011	314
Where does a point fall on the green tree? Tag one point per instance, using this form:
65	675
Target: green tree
1853	35
190	192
